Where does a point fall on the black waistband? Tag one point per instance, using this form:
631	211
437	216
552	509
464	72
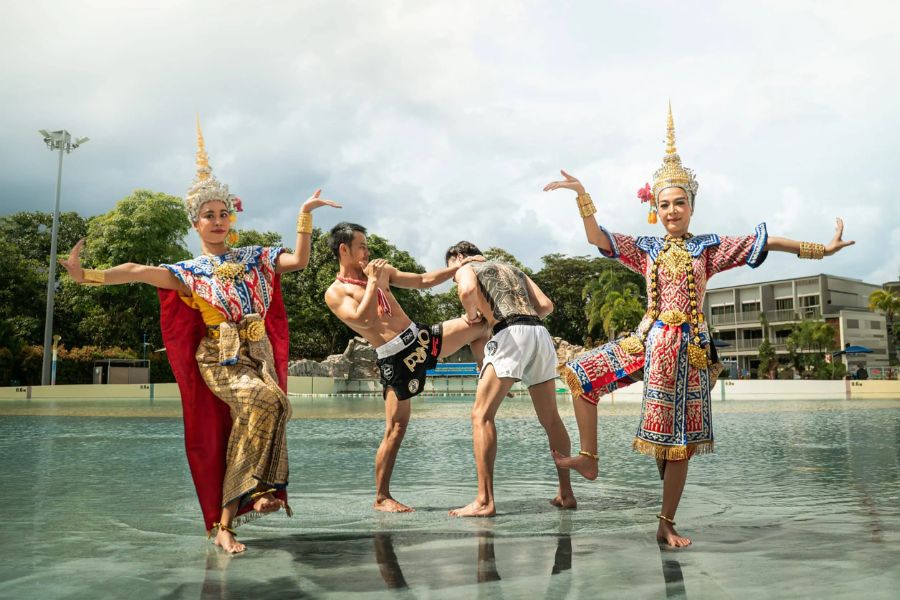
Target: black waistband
515	320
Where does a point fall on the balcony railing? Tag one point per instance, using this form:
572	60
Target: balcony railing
773	316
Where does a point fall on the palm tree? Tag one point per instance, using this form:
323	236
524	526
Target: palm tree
887	302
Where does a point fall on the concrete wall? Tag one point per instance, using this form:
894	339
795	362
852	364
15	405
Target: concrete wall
726	390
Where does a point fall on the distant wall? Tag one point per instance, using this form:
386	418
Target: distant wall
725	390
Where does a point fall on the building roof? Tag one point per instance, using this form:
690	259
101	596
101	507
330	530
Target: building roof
789	279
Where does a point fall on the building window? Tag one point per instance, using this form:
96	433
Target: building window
784	304
808	301
724	309
875	324
747	307
852	323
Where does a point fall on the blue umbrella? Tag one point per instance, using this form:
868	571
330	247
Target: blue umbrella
853	350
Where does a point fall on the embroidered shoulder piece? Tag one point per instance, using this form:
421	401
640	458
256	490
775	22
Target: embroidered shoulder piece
697	244
651	245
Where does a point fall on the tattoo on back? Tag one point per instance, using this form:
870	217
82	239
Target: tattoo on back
505	289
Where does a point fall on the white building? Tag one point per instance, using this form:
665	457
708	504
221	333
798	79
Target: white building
736	314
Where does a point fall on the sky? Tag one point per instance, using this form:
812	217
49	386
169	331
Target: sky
433	122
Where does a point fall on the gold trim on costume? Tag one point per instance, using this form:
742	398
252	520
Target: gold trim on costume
93	276
585	205
305	222
632	345
812	250
230	270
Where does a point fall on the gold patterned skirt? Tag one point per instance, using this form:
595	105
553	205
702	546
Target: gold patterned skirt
238	366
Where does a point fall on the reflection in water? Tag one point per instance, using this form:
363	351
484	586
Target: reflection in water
487	562
671	569
387	561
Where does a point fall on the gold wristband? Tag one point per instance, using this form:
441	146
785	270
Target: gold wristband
811	250
93	277
304	223
585	205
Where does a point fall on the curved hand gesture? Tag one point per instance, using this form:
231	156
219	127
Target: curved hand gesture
72	264
569	183
314	202
836	242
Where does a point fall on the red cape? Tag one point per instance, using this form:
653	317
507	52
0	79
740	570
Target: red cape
207	420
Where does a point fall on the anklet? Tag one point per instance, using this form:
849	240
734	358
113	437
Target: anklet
666	519
589	455
220	526
256	495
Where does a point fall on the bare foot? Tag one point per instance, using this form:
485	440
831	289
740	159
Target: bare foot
476	509
666	534
226	541
392	506
585	465
566	501
267	503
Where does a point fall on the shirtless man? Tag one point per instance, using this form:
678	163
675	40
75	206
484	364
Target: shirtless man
361	297
520	350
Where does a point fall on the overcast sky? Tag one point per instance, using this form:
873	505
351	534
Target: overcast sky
439	121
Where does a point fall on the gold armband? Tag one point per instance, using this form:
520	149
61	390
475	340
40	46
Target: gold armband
586	205
812	250
94	277
304	223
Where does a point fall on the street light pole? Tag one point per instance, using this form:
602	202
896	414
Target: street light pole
62	141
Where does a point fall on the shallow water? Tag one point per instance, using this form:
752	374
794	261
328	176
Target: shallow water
801	499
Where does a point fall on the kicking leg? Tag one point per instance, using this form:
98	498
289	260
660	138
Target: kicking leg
458	333
490	393
543	396
673	484
396	413
586	417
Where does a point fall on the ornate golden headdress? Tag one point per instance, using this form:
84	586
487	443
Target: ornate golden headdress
206	187
671	173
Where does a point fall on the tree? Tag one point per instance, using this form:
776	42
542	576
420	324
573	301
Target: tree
807	343
563	278
613	301
146	228
887	302
768	362
500	255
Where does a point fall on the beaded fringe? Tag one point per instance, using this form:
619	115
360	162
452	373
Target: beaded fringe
660	452
572	382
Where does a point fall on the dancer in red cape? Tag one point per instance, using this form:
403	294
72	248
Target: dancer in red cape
225	329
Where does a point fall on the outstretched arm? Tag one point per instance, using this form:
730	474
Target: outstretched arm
297	260
402	279
593	232
781	244
124	273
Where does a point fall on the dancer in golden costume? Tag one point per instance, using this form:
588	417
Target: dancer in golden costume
225	331
671	350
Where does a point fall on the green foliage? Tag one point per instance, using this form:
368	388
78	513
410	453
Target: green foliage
251	237
614	304
563	279
768	362
32	231
807	344
500	255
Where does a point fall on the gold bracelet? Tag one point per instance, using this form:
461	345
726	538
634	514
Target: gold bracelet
811	250
94	277
585	205
304	223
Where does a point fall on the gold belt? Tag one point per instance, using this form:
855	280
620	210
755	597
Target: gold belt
673	317
253	332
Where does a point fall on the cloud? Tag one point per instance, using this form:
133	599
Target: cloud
433	122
